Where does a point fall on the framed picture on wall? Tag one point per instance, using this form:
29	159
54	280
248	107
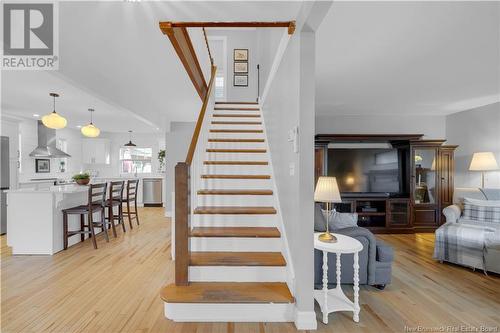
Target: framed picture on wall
42	165
240	55
240	67
240	81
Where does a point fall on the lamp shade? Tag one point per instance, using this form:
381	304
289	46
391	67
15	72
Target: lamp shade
327	190
54	120
483	161
90	131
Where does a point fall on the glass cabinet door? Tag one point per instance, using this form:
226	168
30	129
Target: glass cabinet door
424	176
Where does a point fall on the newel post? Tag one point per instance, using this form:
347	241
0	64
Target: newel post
181	223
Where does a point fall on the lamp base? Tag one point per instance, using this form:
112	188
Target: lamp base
327	237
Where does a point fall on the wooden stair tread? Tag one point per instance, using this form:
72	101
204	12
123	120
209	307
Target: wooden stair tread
235	163
236	123
237	210
236	176
235	192
235	131
248	232
236	259
225	150
227	292
236	115
235	109
235	140
254	103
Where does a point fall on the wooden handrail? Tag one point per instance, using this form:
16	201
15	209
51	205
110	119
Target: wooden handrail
208	47
184	47
201	116
283	24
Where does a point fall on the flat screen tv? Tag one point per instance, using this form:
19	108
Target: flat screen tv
366	170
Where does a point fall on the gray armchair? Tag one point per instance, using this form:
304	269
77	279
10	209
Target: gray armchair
375	260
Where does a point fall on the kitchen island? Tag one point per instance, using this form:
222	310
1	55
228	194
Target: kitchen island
35	221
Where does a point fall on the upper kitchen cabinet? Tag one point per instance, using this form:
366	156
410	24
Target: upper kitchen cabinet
96	151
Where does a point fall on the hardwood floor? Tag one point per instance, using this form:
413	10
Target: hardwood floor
116	289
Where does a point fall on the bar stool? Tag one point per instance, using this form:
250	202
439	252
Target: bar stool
132	186
115	200
96	197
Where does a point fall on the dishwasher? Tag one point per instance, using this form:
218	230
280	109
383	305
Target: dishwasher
152	192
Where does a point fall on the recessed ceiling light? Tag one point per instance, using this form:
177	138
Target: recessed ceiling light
78	126
36	115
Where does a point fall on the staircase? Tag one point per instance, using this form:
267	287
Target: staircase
237	267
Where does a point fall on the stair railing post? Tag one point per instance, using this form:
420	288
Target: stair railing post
182	214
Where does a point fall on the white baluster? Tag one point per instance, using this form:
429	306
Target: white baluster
338	271
356	288
325	287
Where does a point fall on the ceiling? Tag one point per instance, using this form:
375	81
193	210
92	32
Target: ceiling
431	58
113	57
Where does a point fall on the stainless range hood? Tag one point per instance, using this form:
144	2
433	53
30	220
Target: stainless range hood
47	143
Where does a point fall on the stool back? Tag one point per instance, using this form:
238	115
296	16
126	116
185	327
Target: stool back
97	195
116	191
132	189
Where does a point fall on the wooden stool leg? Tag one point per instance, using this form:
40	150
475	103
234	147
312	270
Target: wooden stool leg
129	215
103	224
91	227
82	228
120	217
136	212
65	230
112	220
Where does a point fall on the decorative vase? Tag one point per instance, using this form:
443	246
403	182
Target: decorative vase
83	181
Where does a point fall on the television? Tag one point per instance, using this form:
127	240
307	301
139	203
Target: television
362	171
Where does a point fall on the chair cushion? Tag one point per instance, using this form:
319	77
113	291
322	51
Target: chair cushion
482	210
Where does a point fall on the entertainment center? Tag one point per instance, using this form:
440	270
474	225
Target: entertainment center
395	183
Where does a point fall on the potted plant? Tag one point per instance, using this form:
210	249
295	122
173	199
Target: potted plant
82	178
161	159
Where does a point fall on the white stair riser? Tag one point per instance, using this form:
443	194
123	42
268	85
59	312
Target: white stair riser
230	244
246	118
236	126
236	156
218	135
237	145
235	200
236	169
237	274
235	312
263	184
205	220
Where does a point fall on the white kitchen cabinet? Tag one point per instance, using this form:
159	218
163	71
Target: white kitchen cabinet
95	151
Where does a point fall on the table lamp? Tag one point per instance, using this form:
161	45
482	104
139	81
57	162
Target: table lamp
327	191
483	161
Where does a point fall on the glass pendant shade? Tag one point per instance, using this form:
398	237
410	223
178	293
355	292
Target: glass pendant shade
54	120
90	130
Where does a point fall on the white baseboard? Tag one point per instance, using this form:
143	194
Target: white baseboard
305	320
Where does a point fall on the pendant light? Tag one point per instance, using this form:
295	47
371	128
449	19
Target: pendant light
130	144
54	120
90	130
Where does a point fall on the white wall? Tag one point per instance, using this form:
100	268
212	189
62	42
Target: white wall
240	39
475	130
10	129
433	127
268	40
177	143
286	107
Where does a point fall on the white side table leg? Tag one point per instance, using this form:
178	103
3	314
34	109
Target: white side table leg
338	271
355	317
325	287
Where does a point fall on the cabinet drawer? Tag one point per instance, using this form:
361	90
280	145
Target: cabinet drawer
425	217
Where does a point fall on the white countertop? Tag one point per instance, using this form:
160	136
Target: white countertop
52	189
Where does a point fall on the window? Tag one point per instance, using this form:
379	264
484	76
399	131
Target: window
135	160
219	85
